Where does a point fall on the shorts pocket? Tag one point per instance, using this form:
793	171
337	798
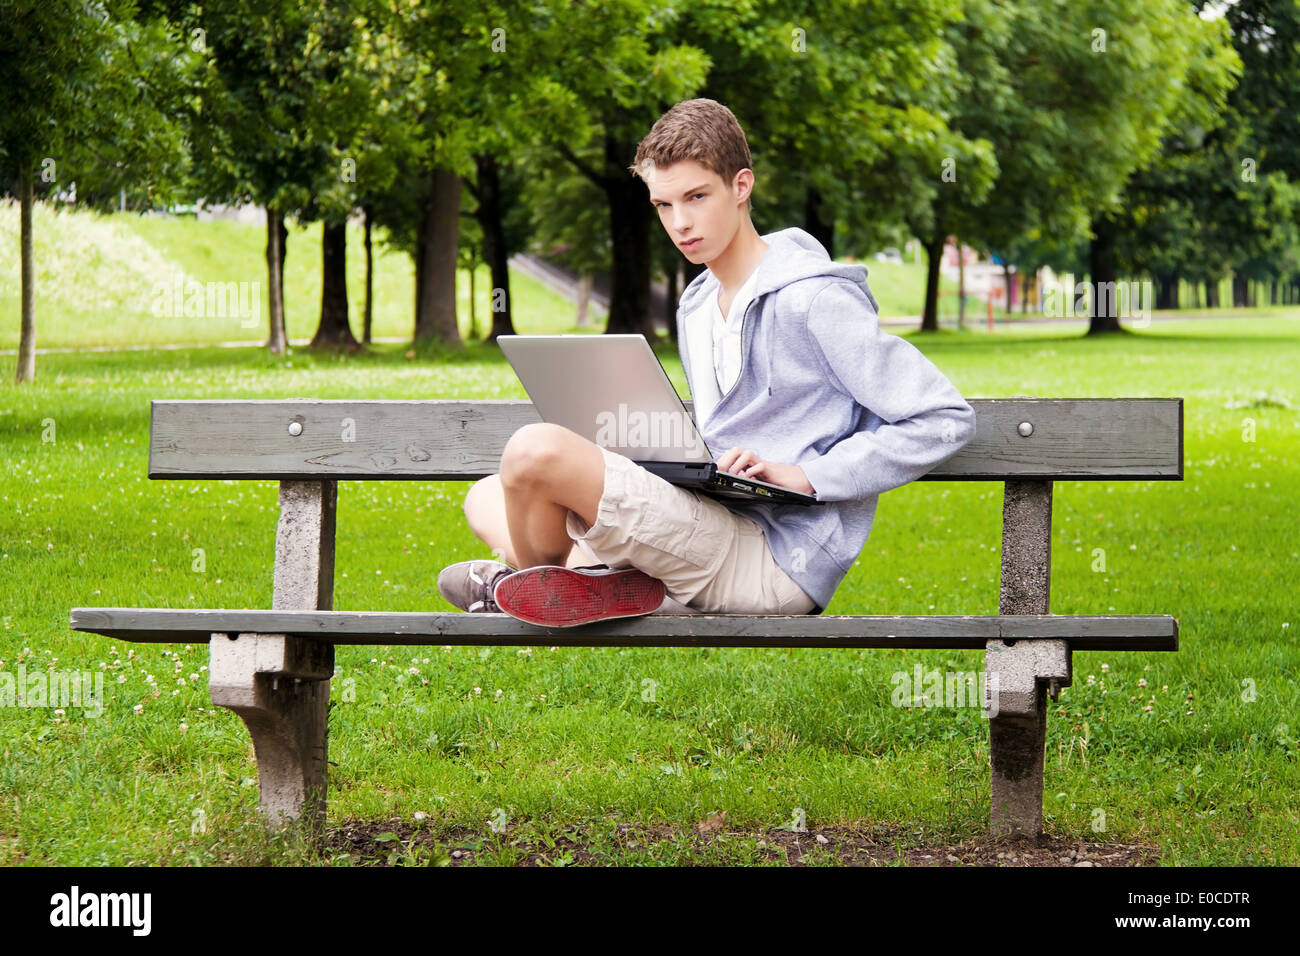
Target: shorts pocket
682	524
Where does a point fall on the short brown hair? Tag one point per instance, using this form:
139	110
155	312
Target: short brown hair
702	130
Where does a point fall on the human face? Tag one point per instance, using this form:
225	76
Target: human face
698	211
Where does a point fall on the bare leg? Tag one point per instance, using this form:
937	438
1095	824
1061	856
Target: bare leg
546	472
485	508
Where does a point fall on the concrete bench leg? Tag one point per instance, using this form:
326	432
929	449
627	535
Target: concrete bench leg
279	686
1018	728
1015	678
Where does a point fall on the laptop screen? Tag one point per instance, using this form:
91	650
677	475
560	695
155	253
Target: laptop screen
609	388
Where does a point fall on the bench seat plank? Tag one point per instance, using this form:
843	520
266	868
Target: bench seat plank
1142	632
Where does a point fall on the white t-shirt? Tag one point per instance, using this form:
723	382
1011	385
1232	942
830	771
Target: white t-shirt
715	348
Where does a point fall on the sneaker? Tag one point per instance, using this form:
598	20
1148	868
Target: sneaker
468	584
553	596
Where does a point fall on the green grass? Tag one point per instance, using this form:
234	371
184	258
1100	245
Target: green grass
560	737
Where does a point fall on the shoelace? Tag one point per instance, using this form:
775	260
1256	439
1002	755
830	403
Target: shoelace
489	585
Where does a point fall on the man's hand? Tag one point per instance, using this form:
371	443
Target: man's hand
747	464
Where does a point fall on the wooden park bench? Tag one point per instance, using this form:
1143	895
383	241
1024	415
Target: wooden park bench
273	667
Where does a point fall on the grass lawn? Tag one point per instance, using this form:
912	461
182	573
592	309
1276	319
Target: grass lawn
1194	751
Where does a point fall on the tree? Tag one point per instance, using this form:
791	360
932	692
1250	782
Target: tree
74	115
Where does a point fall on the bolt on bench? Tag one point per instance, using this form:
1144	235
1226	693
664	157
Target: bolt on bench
273	667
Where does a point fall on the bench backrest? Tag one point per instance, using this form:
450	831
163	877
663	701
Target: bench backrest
1058	439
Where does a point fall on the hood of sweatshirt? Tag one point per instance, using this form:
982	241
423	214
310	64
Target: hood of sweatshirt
792	255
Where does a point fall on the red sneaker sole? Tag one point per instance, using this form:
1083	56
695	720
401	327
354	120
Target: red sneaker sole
552	596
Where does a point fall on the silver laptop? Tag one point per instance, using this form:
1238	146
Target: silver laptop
612	390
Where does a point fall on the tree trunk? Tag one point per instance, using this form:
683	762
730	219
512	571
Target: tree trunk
27	337
670	302
1211	293
421	247
1272	293
1024	291
435	316
277	341
629	220
1006	277
934	254
1103	315
370	282
814	224
1238	291
1167	290
491	223
334	329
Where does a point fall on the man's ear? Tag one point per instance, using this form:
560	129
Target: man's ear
743	181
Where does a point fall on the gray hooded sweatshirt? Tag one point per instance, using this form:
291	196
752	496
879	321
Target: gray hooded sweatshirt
821	387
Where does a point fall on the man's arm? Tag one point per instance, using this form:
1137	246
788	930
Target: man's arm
925	418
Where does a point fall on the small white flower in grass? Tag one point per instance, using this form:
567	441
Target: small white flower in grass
175	692
58	712
525	652
413	670
184	727
1142	682
121	678
203	668
138	708
478	691
1105	668
1147	709
420	816
499	692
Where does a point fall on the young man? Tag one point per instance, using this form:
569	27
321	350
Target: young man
788	371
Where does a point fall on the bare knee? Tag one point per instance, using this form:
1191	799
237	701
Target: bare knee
530	455
482	501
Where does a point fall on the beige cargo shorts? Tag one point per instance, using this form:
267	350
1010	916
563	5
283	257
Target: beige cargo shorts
709	557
